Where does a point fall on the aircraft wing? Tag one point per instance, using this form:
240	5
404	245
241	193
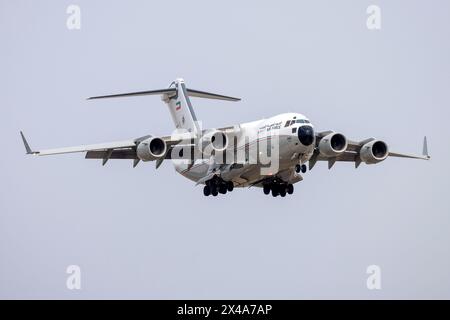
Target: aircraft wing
352	152
125	149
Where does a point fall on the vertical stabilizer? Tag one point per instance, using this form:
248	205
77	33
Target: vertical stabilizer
180	108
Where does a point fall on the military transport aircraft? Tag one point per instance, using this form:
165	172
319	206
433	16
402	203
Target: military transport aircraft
269	153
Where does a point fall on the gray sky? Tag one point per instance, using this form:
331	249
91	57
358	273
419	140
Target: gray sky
141	233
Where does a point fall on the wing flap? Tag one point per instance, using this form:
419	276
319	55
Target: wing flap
90	147
346	157
116	154
409	156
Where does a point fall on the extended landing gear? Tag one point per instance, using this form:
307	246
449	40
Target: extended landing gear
300	168
290	189
206	191
278	189
217	185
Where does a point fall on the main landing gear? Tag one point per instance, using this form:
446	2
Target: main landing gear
217	185
278	189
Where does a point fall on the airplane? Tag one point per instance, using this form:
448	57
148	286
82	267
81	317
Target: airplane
226	158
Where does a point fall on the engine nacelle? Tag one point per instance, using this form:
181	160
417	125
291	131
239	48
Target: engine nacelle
374	152
333	144
152	148
214	140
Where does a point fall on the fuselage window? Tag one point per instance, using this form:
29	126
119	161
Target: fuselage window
294	130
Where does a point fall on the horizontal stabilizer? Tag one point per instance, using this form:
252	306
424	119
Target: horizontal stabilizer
208	95
169	91
139	93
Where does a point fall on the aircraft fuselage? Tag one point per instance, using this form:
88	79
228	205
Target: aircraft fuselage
294	147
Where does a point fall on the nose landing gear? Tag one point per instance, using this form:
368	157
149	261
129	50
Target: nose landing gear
301	168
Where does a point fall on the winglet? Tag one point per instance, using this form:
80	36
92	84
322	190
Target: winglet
27	146
425	148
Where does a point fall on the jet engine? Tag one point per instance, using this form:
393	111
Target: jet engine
214	140
333	144
152	148
373	152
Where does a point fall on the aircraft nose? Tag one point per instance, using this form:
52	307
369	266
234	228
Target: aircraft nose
306	135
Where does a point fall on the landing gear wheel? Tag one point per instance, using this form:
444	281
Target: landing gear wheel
283	192
303	168
214	192
206	191
275	190
266	189
223	189
290	189
298	168
230	186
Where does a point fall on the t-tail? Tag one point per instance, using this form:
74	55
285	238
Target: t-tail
180	108
177	99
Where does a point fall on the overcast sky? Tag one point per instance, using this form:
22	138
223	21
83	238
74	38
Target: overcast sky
146	233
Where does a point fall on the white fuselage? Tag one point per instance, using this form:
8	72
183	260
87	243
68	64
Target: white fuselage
291	151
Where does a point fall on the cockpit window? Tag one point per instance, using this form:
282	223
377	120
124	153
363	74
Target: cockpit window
291	122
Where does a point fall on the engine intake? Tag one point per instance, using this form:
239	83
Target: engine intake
215	140
151	149
333	144
374	152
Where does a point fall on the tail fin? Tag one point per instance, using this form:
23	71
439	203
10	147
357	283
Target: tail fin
177	99
180	108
